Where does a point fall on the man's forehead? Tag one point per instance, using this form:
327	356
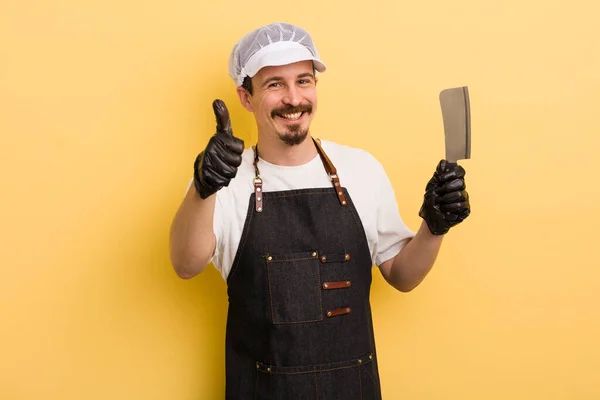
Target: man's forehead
285	71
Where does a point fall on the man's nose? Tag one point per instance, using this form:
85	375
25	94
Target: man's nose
292	97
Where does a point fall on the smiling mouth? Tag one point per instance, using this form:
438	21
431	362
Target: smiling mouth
292	117
292	113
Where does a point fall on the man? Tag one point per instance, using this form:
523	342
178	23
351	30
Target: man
294	225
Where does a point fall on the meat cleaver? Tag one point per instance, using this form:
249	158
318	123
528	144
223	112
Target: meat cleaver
456	114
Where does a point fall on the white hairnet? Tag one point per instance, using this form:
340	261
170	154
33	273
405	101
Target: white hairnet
274	44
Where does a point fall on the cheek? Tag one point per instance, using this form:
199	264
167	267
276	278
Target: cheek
311	96
267	104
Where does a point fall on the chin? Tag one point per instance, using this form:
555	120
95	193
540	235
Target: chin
293	138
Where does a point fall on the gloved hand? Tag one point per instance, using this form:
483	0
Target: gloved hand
218	163
446	202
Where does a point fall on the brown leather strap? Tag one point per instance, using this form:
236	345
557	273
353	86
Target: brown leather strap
336	285
329	168
255	163
332	171
338	311
258	191
258	194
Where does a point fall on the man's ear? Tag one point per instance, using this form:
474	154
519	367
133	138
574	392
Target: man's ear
244	98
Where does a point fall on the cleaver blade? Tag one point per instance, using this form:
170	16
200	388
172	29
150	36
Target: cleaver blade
456	113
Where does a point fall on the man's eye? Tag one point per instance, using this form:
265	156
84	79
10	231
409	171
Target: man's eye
274	84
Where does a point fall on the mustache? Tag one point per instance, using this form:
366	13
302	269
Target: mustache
291	110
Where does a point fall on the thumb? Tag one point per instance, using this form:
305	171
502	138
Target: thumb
222	116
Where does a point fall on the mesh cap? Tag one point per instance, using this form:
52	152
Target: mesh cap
271	45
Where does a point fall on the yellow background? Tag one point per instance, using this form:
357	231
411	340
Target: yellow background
104	106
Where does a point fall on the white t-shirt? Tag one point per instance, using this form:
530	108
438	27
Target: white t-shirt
359	172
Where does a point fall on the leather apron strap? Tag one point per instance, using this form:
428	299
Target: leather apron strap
329	168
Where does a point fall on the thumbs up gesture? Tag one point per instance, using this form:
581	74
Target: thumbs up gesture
218	163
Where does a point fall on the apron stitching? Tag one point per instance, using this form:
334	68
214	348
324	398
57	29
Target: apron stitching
371	377
320	293
300	322
270	295
293	259
298	194
316	387
256	385
313	371
359	383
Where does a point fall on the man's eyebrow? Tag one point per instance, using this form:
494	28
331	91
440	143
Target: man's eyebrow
306	75
272	79
279	78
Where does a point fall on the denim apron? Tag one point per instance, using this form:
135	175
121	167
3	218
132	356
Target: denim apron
299	323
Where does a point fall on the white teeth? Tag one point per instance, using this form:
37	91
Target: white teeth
292	116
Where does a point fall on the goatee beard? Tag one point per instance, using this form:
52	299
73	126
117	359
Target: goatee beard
294	136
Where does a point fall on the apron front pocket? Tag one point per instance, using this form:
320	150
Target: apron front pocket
294	287
347	380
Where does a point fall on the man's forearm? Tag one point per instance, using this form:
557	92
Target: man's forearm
414	261
192	240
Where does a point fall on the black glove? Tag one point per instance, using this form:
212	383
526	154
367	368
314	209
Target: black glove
446	201
218	163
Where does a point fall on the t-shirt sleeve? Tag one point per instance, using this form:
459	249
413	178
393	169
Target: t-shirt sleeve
392	232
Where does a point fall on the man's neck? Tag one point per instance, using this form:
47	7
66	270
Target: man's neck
275	151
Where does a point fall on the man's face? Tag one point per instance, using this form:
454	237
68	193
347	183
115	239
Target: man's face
284	101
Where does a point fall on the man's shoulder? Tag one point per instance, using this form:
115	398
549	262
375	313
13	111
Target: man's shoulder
349	156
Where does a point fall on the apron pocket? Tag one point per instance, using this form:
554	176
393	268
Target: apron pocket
347	380
294	287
